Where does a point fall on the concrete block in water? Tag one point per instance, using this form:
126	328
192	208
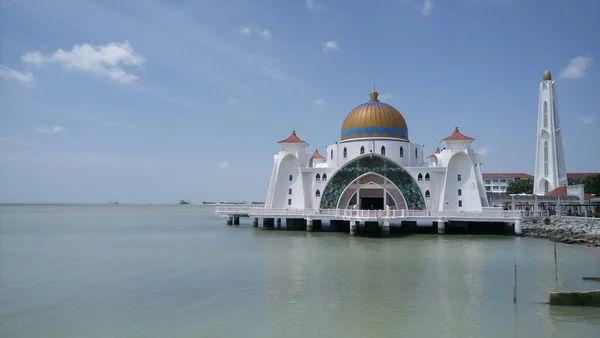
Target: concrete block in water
565	298
591	298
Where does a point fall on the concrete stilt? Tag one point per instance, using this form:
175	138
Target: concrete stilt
441	226
255	222
385	229
309	224
353	228
279	223
236	220
229	220
518	230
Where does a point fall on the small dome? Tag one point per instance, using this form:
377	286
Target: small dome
547	75
374	119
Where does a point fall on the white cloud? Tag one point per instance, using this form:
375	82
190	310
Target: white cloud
330	46
313	4
319	102
587	119
428	6
262	32
106	60
576	68
181	34
222	165
50	130
15	75
384	96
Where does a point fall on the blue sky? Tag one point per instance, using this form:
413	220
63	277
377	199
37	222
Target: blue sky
158	100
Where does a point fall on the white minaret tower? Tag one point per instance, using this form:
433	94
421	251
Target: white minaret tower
550	169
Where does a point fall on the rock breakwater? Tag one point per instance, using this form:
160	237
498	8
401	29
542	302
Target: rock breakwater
570	230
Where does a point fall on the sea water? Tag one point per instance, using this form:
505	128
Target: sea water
179	271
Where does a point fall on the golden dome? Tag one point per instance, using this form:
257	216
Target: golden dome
374	119
547	75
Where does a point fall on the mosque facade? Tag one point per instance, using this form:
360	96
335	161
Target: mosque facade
376	166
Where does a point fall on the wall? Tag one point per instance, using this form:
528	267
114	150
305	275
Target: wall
288	165
460	164
392	151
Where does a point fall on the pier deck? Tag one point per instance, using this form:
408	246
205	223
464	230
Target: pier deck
379	215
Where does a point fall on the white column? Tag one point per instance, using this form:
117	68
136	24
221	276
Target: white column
441	226
384	199
518	230
352	228
309	224
358	198
385	229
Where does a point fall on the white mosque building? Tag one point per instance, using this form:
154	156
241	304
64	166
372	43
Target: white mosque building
376	166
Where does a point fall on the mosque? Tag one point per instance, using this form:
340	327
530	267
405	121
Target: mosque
376	166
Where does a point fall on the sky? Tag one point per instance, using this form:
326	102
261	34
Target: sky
160	100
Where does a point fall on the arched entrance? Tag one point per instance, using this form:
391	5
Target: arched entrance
376	164
372	191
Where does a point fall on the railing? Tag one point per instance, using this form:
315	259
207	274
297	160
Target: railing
374	214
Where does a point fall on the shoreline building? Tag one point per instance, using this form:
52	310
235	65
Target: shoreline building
550	168
377	175
375	166
499	182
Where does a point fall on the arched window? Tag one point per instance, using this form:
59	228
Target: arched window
401	151
331	154
427	177
324	177
420	177
545	114
545	158
362	150
318	193
546	188
345	152
318	177
383	150
416	153
427	194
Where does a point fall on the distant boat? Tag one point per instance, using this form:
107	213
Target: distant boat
117	202
184	202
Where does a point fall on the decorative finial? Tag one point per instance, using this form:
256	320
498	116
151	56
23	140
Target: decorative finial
547	75
455	127
293	131
373	95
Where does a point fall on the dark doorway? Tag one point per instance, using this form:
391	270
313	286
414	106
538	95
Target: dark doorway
371	203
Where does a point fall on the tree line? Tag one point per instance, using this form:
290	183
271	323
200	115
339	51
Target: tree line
525	186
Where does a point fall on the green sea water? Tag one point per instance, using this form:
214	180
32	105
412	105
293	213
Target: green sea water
179	271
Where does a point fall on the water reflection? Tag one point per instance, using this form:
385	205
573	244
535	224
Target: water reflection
335	285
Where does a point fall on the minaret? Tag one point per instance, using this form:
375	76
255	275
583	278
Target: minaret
550	169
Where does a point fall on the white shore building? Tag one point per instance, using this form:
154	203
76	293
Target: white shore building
375	174
376	166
